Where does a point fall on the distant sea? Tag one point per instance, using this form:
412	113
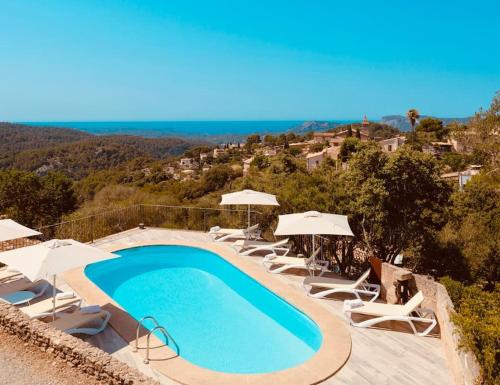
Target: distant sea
213	131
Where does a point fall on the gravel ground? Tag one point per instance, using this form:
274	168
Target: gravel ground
22	364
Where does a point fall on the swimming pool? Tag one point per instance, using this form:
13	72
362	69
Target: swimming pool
221	318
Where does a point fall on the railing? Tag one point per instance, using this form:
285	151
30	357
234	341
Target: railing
156	327
92	227
105	223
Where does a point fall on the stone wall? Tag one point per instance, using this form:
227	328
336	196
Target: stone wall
463	365
73	351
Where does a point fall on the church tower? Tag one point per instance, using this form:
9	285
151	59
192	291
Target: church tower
366	127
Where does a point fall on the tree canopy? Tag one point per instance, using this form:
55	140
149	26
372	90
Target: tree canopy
33	200
474	225
431	129
481	135
394	202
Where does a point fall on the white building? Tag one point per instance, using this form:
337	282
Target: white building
392	144
218	152
313	160
187	163
462	177
246	164
146	171
170	170
269	151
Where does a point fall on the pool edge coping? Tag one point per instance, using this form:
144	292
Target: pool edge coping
331	356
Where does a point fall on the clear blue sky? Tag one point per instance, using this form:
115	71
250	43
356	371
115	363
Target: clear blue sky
239	60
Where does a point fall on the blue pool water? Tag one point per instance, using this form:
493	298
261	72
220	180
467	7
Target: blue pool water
221	318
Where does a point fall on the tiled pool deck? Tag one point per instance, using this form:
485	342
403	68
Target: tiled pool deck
377	356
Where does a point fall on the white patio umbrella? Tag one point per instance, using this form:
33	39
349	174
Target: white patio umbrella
10	230
249	197
47	259
313	223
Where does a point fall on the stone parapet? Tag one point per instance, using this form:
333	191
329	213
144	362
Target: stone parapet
463	365
75	352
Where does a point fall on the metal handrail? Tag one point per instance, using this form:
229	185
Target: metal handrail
102	213
139	324
164	331
200	208
166	334
107	222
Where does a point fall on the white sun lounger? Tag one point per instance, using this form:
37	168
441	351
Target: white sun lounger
410	312
247	247
27	294
333	285
81	323
45	307
277	264
22	283
220	235
7	274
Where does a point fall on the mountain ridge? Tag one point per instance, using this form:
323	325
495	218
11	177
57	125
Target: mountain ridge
401	122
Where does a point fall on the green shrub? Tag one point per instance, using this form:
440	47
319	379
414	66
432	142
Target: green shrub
260	161
455	290
478	322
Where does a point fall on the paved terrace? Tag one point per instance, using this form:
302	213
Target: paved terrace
378	356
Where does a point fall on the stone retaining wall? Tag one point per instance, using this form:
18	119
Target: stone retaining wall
463	365
73	351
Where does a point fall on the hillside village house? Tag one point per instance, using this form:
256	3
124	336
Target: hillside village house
218	152
337	138
204	156
392	144
437	148
188	174
269	151
313	160
302	145
187	163
169	170
246	164
462	177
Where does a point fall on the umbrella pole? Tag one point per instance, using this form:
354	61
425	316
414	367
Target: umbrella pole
248	216
54	297
314	257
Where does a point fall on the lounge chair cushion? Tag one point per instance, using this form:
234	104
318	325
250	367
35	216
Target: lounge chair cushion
380	309
18	297
17	285
90	309
46	306
287	260
65	295
329	283
65	321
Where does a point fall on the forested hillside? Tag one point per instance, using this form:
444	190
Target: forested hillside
75	153
15	138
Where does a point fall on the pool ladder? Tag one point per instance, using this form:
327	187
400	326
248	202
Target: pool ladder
158	327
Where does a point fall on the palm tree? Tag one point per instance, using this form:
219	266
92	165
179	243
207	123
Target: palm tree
412	115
